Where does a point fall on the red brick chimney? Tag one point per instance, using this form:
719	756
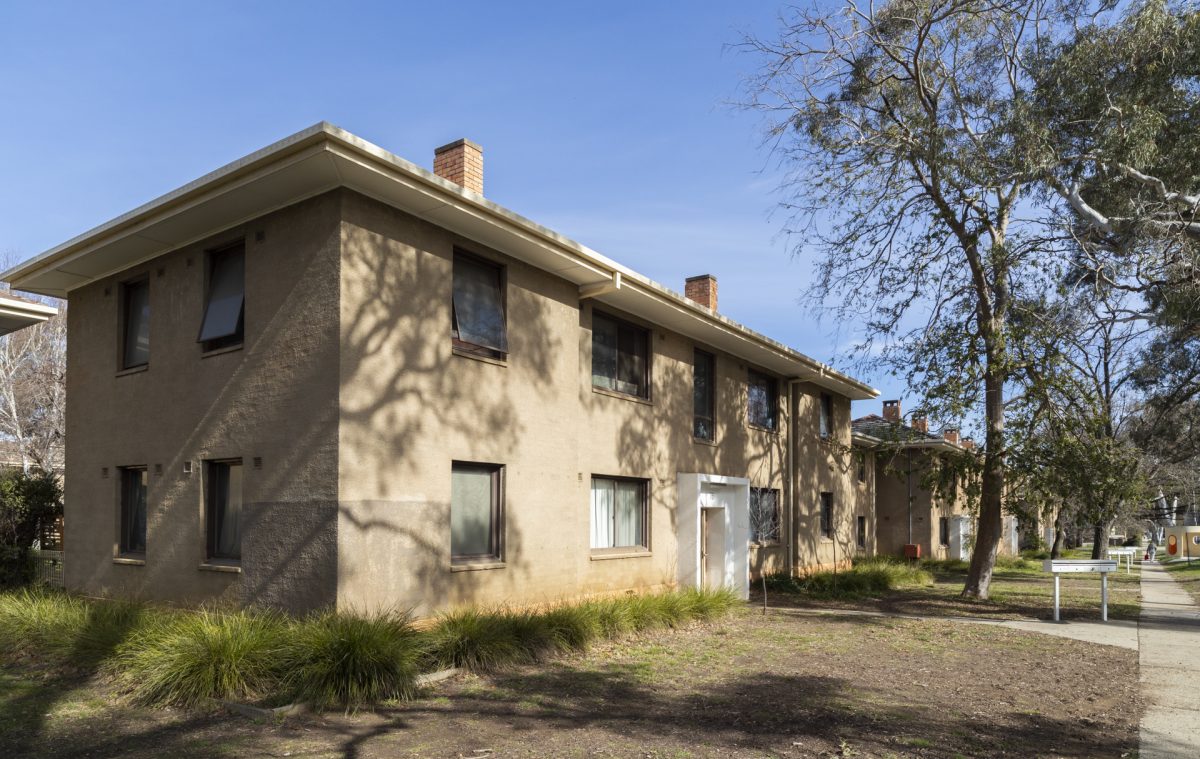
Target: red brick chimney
968	443
920	422
950	434
702	289
462	163
891	411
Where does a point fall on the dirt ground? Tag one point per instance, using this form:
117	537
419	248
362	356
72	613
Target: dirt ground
748	686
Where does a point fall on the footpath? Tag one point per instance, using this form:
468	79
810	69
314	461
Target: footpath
1169	659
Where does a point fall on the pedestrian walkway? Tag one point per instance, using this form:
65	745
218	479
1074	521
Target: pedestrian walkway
1169	662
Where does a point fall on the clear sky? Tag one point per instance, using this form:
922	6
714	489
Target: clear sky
608	122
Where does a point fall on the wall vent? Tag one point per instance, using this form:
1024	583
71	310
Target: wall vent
158	470
104	473
187	467
258	462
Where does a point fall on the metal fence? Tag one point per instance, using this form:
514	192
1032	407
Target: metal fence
48	568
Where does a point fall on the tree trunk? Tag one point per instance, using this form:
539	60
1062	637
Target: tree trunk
991	500
1100	541
1059	536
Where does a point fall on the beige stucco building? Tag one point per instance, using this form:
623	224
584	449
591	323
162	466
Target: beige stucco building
913	505
324	375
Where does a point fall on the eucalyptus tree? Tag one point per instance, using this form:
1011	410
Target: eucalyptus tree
905	126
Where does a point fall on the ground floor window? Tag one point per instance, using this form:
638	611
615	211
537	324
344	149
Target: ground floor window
764	515
223	509
827	515
862	532
944	531
619	513
476	511
133	510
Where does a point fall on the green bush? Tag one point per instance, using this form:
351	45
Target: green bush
338	658
483	640
187	658
27	501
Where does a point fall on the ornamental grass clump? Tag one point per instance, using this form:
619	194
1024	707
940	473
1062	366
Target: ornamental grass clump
484	640
867	577
187	658
63	629
343	659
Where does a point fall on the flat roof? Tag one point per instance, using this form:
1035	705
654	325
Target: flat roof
324	157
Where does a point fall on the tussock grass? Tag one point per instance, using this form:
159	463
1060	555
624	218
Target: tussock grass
187	658
344	659
868	577
481	639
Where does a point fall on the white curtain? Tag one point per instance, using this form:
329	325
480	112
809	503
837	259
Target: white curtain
629	514
602	513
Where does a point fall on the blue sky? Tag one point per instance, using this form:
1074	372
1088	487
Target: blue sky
609	122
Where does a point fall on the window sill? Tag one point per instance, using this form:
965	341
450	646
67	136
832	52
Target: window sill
476	357
702	441
222	351
208	566
772	544
620	553
622	396
476	566
760	428
134	370
129	561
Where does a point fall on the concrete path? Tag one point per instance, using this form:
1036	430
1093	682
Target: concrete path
1169	646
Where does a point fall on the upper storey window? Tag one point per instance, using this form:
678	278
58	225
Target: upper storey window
135	324
478	306
620	356
225	302
763	397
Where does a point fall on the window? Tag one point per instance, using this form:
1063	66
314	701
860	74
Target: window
704	371
826	415
827	515
619	513
764	515
133	510
223	509
619	356
476	501
224	305
862	533
944	531
763	410
478	306
862	468
135	324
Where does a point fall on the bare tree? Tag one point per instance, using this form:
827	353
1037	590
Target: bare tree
902	123
33	364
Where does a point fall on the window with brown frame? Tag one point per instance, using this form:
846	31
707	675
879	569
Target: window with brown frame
223	508
862	532
944	531
135	323
225	300
827	515
703	393
620	356
826	415
476	511
478	307
619	513
763	400
764	516
133	511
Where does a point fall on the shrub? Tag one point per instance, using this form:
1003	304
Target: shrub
349	660
482	639
187	658
27	501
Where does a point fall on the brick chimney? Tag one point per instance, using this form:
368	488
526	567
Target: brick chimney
950	434
891	411
702	289
968	443
920	422
462	163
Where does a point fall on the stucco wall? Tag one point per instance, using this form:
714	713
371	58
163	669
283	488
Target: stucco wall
410	406
275	398
927	507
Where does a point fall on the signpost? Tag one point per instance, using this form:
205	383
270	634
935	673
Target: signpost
1082	566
